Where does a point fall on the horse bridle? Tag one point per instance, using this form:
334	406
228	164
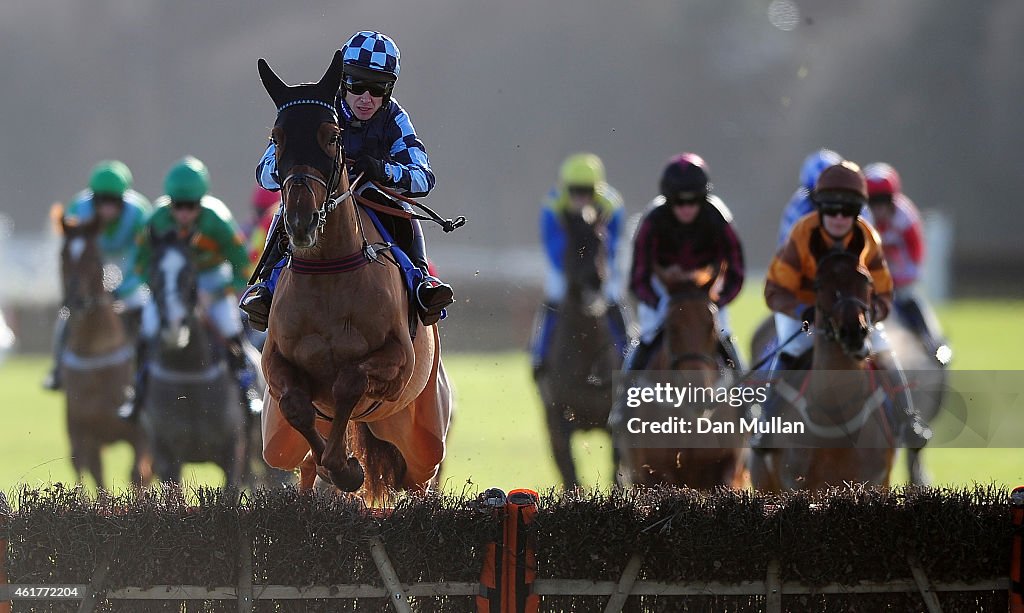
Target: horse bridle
831	330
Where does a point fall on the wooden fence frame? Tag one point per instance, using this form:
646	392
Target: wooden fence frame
398	593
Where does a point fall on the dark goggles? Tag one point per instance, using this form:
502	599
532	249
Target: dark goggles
377	89
581	191
687	199
185	205
846	209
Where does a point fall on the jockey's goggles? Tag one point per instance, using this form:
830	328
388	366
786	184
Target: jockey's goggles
189	205
687	199
581	191
880	199
846	209
108	199
376	88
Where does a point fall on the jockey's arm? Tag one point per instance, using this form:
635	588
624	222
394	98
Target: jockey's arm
553	236
643	265
232	246
874	260
407	165
266	170
734	266
783	283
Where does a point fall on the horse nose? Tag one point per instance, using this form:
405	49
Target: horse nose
301	232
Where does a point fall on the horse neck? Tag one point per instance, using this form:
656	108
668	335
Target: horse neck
829	356
198	354
685	325
96	330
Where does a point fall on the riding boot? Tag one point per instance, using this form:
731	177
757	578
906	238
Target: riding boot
135	395
432	294
54	379
638	358
132	319
617	325
543	331
925	326
771	407
911	431
727	349
257	298
244	376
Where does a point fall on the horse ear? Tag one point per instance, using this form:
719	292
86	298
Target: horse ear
330	83
272	83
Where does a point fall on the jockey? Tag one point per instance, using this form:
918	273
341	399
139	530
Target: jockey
581	183
839	195
800	202
899	224
378	134
222	262
688	228
123	213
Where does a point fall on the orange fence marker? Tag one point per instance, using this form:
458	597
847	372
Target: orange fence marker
1017	552
510	563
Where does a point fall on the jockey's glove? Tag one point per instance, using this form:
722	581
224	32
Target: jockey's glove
807	315
372	169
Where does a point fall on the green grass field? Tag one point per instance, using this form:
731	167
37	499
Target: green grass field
497	437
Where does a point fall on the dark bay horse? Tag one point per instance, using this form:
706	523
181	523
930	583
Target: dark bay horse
351	392
840	401
689	345
577	386
192	408
98	360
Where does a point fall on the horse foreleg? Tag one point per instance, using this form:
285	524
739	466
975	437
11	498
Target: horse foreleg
343	469
293	398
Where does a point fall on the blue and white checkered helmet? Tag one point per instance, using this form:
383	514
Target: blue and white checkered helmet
372	55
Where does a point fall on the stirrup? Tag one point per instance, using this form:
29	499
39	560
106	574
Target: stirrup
53	381
129	409
255	302
438	296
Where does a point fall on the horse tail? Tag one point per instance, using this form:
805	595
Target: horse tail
383	464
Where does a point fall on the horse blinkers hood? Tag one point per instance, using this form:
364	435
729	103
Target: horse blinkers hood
300	121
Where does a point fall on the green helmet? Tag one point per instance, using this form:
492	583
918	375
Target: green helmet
187	181
110	178
583	170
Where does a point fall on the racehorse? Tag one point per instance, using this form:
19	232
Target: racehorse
840	400
355	387
577	386
97	361
689	345
192	408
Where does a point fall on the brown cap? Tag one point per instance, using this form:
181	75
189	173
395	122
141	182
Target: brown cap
845	176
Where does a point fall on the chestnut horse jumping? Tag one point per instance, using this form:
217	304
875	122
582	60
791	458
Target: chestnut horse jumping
351	390
848	438
690	345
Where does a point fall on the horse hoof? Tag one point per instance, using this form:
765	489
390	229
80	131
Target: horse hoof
350	478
